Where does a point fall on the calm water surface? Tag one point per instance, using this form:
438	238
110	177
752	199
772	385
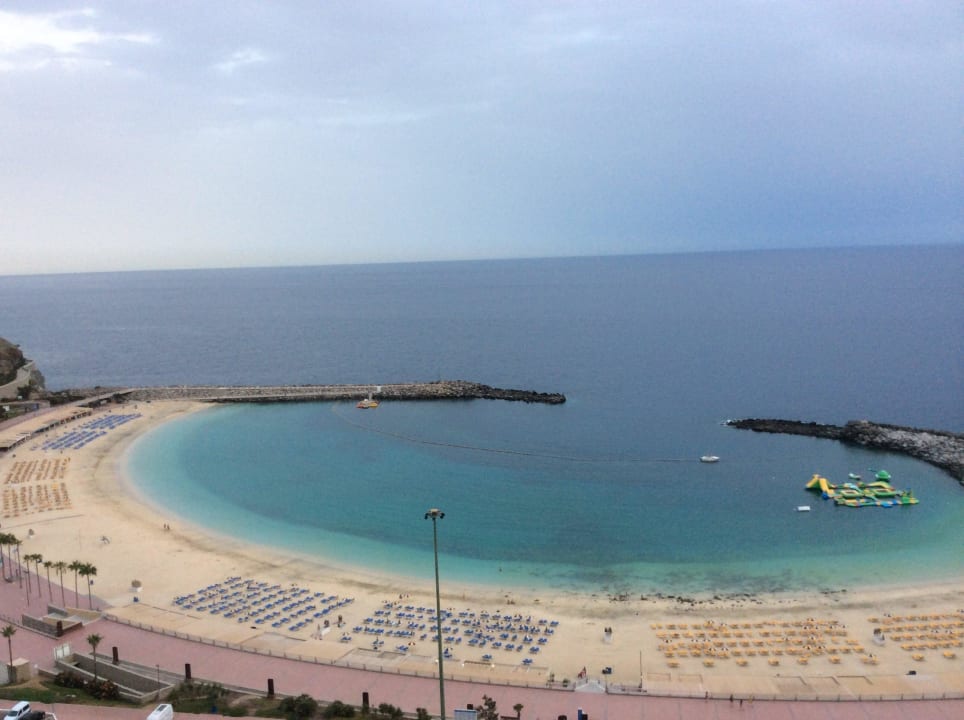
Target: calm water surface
602	492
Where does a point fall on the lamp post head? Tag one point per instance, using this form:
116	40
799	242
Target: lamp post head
434	513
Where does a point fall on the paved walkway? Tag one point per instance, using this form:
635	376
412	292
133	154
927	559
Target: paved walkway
654	709
235	668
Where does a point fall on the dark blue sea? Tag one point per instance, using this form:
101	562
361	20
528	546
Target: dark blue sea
605	492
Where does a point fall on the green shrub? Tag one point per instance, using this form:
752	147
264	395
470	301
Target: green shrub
99	689
299	708
103	690
390	712
69	679
338	709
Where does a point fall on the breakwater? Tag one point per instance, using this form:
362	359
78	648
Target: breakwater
439	390
937	447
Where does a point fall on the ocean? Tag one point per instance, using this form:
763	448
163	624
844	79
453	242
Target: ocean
604	493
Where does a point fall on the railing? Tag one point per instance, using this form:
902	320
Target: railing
611	688
616	689
333	663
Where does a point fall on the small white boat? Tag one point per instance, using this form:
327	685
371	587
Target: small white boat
803	508
709	459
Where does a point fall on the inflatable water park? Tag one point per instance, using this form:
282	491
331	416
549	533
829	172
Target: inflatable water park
856	493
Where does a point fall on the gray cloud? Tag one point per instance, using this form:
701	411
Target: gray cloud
297	132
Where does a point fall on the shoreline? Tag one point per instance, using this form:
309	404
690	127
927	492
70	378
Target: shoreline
188	557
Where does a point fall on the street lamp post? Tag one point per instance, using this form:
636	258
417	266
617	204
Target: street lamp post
435	514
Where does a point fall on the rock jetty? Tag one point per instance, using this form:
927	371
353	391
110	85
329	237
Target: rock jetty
937	447
439	390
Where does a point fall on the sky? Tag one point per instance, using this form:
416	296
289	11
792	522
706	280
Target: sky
154	135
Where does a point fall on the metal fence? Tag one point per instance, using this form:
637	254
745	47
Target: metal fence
613	688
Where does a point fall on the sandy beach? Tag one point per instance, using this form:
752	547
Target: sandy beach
78	504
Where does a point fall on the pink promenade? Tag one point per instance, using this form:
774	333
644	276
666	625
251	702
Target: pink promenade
248	670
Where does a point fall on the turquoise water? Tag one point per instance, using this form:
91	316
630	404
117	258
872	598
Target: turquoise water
339	483
604	492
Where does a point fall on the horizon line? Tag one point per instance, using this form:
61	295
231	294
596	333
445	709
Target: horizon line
514	258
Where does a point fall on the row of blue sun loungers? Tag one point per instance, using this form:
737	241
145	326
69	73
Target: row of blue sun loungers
488	657
447	653
110	421
494	630
88	432
73	440
260	603
296	608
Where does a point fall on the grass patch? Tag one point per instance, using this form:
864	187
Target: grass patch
47	692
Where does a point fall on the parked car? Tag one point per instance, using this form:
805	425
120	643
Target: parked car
18	711
162	712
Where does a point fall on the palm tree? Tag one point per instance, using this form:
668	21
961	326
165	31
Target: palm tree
37	559
94	641
19	574
3	541
89	571
76	565
82	571
518	710
26	560
50	590
8	632
6	539
60	566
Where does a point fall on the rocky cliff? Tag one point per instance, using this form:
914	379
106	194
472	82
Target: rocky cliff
19	377
937	447
11	360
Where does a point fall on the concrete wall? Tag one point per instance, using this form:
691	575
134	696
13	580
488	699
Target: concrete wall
134	685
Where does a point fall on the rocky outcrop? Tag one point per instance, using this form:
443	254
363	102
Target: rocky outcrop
440	390
464	390
789	427
11	360
937	447
19	377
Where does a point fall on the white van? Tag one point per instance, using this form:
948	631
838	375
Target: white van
18	710
162	712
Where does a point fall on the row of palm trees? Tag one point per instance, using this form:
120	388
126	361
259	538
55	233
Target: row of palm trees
79	568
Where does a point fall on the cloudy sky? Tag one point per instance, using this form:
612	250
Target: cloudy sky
139	134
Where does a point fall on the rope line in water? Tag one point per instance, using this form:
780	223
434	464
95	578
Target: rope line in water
498	451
